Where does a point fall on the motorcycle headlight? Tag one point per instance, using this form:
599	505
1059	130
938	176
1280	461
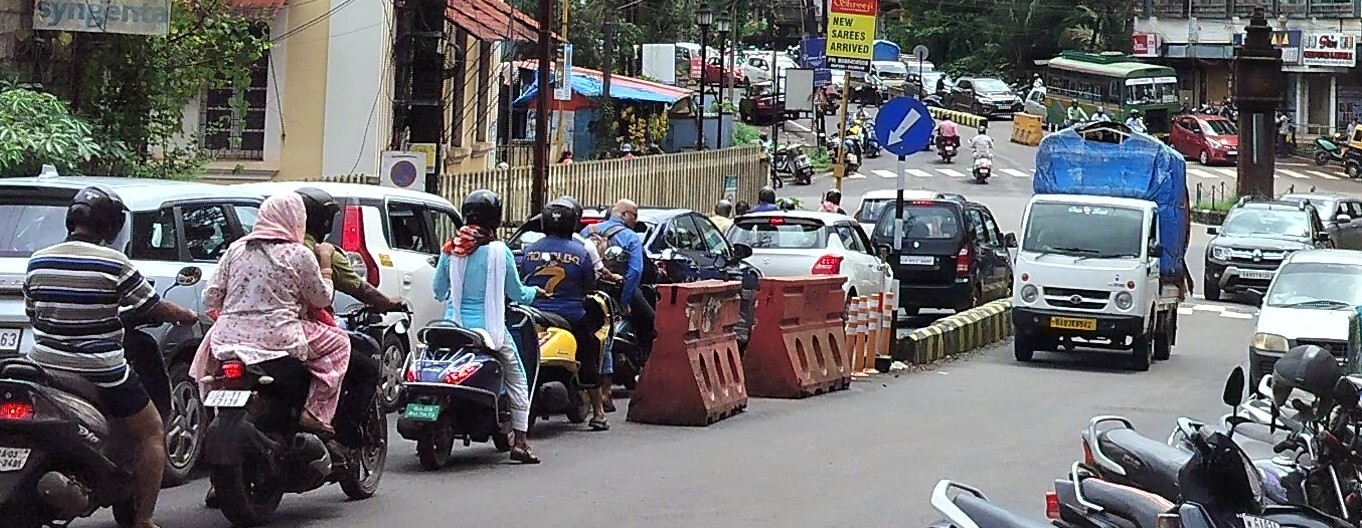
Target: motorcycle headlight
1270	342
1220	253
1030	293
1124	300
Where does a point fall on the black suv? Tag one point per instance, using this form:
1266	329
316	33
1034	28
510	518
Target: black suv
1253	240
983	96
953	255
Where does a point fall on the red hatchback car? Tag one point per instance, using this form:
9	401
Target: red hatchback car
1208	138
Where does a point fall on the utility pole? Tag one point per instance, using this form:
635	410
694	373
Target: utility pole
1258	85
539	183
608	55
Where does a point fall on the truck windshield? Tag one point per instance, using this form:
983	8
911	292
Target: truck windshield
1082	230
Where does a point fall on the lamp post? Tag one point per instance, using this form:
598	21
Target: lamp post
1258	85
704	17
722	23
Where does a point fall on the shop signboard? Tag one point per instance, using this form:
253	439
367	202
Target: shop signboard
1289	41
1144	45
851	34
1329	49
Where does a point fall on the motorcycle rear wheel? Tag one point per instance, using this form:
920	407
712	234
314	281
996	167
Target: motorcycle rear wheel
366	467
1321	158
246	497
435	447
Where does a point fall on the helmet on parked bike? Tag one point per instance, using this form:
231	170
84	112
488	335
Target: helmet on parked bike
321	212
98	211
834	196
766	195
560	218
482	208
1308	368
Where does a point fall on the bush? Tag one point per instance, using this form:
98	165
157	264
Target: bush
36	129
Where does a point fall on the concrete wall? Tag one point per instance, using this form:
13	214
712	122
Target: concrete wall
359	79
12	22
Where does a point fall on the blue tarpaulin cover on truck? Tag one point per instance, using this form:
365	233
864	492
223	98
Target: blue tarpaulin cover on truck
1140	167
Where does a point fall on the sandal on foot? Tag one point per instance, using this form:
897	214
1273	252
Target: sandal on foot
524	456
609	406
315	426
599	425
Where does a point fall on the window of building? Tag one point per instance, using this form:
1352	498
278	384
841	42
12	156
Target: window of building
484	90
237	132
459	88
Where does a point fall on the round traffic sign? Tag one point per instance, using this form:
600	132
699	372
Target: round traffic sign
403	174
920	52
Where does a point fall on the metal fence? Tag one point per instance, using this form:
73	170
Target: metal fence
689	180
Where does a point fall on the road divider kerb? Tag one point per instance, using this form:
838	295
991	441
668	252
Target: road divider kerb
962	118
959	333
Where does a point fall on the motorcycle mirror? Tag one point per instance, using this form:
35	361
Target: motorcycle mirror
1303	411
433	260
1234	388
188	276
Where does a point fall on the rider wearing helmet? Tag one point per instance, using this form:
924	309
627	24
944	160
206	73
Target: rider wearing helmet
562	266
766	200
476	273
321	214
74	292
832	202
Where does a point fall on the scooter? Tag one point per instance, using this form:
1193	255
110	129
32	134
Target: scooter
453	388
983	167
559	390
803	168
946	147
1329	149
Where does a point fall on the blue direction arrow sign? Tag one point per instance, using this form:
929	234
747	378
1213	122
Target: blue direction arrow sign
904	126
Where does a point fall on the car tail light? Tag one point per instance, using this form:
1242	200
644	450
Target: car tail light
233	369
353	242
462	373
591	221
962	260
1052	504
777	220
827	265
920	202
16	411
1087	454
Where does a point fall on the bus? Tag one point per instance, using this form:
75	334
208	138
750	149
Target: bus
1112	80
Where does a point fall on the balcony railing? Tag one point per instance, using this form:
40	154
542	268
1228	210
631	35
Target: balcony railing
1244	8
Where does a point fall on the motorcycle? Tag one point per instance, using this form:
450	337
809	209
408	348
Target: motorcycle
1329	149
946	147
863	130
559	390
803	168
256	450
453	388
983	167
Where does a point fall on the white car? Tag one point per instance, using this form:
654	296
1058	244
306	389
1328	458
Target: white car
393	239
757	69
796	243
873	204
1308	302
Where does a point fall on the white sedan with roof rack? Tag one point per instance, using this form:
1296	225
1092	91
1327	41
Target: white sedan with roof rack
795	243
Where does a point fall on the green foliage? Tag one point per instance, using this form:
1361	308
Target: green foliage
745	134
820	159
36	129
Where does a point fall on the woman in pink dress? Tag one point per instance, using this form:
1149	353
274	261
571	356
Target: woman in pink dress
263	293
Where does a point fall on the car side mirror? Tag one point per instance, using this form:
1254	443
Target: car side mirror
883	253
1212	230
1234	388
1198	132
1156	251
433	260
1321	237
1343	218
188	276
1010	240
741	251
640	228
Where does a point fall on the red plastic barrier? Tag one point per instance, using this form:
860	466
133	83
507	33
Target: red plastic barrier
694	375
799	345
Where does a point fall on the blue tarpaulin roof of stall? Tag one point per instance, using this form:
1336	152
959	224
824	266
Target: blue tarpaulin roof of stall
587	83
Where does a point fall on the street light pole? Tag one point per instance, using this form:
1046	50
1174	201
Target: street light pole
1258	85
722	24
704	17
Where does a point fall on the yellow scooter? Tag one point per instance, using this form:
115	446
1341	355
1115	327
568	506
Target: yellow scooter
559	391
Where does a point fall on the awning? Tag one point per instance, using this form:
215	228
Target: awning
588	83
491	20
256	9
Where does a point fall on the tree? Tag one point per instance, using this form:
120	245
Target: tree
36	129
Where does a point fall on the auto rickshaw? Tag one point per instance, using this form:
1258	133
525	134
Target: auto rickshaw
1352	153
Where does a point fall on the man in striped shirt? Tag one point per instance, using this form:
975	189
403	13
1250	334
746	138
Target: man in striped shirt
74	292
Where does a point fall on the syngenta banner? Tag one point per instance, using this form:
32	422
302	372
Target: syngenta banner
132	17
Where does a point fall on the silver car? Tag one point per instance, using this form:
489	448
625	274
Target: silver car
176	232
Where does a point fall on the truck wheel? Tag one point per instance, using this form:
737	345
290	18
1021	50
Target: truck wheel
1210	288
1142	354
1023	347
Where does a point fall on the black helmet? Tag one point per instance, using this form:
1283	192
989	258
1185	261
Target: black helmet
98	211
560	218
834	196
482	208
766	195
786	204
1309	368
321	211
576	206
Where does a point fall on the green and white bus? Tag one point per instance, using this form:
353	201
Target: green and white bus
1111	80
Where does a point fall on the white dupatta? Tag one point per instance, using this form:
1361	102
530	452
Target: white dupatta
494	306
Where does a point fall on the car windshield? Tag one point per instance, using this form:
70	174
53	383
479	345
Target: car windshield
921	221
1219	127
870	210
987	85
892	70
1316	285
1266	222
778	233
1081	230
27	228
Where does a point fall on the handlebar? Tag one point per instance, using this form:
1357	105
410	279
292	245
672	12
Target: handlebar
363	309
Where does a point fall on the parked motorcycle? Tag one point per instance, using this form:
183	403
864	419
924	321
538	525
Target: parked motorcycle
947	147
559	390
258	452
803	168
983	167
1329	149
453	387
864	130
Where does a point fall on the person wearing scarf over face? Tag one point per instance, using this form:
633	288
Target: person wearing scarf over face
269	299
475	275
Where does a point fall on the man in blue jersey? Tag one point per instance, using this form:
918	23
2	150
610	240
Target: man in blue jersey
73	294
562	266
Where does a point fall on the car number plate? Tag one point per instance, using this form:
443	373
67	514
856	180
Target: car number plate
422	412
917	260
1070	323
227	398
1232	153
1256	275
9	339
13	458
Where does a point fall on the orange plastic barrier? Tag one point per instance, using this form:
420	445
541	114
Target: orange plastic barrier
799	345
872	347
694	375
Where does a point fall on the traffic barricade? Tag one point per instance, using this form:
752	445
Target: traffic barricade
856	313
694	375
1027	129
799	346
875	328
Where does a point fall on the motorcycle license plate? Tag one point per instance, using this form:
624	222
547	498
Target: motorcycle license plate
1070	323
227	398
13	458
421	412
9	339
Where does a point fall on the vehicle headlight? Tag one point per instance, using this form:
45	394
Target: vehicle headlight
1030	293
1213	143
1220	253
1124	300
1270	342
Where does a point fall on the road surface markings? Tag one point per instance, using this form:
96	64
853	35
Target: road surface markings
1293	174
1017	173
885	173
855	175
920	173
951	172
1202	173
